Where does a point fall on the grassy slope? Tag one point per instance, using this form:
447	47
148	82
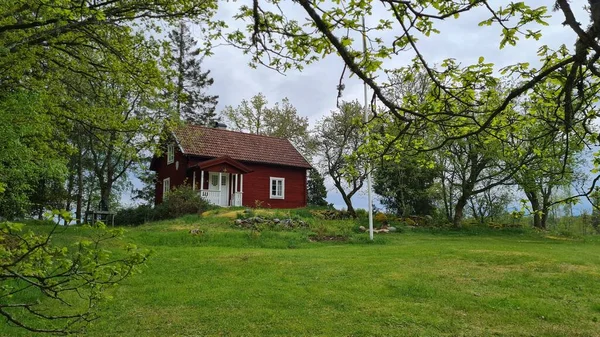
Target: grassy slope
230	283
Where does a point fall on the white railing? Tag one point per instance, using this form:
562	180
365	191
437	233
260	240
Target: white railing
237	199
213	197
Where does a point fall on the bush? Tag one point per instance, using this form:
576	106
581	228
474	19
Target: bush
381	218
181	201
134	216
362	213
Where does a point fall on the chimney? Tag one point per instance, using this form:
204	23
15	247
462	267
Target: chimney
220	126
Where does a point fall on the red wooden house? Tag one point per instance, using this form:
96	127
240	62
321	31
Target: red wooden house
231	168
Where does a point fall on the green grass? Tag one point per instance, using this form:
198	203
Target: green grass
473	282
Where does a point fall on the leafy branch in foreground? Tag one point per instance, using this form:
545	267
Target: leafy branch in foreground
50	288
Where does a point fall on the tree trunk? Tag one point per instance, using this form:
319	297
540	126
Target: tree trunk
538	213
80	188
348	202
459	210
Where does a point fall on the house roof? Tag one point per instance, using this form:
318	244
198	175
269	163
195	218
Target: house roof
201	141
223	160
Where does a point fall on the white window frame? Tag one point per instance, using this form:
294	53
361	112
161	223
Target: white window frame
170	154
272	196
166	186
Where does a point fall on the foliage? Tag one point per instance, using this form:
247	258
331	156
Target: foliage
467	103
52	288
31	164
337	138
490	205
180	201
280	120
193	104
147	177
317	193
405	187
135	216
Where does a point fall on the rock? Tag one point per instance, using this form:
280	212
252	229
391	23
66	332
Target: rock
276	220
392	229
258	219
362	228
428	217
239	222
196	231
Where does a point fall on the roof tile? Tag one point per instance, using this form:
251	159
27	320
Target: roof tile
209	142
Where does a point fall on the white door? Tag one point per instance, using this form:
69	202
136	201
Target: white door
213	185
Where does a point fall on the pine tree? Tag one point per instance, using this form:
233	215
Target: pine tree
192	102
316	189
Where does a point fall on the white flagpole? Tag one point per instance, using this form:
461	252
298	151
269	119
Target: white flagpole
370	196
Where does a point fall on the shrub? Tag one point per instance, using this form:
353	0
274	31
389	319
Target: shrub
134	216
381	218
181	201
361	213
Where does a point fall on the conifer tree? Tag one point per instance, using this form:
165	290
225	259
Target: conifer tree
317	193
192	103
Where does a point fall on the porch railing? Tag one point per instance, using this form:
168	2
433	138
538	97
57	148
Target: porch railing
213	197
237	199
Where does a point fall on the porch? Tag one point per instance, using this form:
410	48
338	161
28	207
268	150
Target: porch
220	181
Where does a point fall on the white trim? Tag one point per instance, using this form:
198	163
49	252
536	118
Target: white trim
177	142
170	154
275	196
166	186
194	181
242	183
202	180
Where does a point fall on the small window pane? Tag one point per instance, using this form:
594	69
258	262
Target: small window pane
277	186
223	180
215	180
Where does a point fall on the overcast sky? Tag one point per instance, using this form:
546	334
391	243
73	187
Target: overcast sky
313	91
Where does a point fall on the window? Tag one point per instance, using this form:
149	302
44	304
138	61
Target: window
170	154
166	186
277	188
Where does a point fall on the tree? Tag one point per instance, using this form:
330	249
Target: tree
147	192
405	187
338	138
279	41
29	156
37	42
490	204
193	104
73	278
317	193
281	120
556	154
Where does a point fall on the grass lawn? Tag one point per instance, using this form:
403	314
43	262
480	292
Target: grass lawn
230	282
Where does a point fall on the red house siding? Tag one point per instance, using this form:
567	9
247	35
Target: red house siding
177	173
257	186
